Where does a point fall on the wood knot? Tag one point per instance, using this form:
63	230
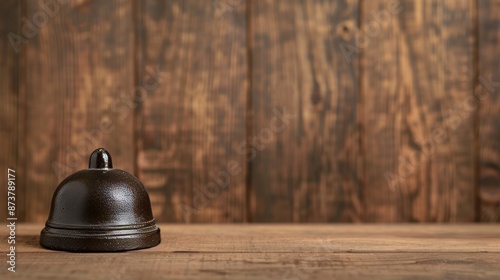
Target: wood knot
346	30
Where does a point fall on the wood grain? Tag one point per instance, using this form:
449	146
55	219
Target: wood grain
278	252
304	148
79	69
489	119
10	12
417	77
191	123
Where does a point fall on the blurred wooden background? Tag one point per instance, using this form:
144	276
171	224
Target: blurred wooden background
259	110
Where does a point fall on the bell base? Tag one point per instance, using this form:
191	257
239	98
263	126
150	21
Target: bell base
102	240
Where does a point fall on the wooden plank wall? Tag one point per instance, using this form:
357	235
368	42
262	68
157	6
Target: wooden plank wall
10	102
305	113
190	124
416	76
489	118
78	67
260	110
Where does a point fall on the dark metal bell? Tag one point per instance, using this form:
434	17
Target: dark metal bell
100	209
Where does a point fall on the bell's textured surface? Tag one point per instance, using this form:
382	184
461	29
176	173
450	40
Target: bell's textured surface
100	209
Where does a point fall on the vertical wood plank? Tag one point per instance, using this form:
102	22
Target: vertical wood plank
305	141
417	80
191	123
489	126
10	11
79	78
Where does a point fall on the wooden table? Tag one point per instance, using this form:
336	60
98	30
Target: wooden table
276	251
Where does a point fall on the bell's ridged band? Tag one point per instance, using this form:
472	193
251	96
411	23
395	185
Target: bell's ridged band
100	239
100	227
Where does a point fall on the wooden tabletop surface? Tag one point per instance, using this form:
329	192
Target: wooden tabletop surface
275	251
